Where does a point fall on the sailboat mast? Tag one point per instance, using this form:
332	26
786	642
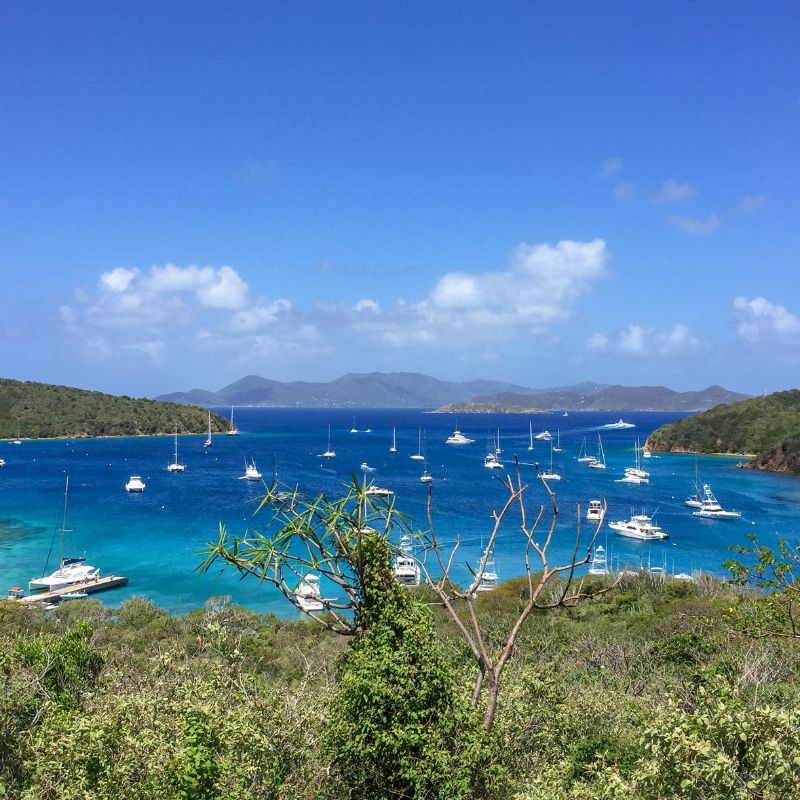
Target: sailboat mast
64	522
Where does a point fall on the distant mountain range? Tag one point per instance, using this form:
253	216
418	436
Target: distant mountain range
414	390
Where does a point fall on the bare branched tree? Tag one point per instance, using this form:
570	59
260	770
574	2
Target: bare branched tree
540	574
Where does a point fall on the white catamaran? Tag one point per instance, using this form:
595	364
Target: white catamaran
70	570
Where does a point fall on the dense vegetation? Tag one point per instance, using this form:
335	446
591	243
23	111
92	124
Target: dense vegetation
645	693
40	410
768	427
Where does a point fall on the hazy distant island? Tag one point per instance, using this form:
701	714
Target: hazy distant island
766	429
597	397
31	410
414	390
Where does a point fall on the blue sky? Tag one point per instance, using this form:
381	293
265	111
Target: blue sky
536	192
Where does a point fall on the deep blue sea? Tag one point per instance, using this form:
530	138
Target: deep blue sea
153	538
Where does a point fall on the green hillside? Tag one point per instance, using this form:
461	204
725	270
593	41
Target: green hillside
767	428
40	410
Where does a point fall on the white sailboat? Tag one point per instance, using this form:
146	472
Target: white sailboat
548	474
70	570
329	453
176	465
557	448
418	455
635	474
583	456
600	461
490	460
233	430
208	442
393	448
426	477
530	434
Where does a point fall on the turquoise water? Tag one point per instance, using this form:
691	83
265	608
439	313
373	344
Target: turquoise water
153	538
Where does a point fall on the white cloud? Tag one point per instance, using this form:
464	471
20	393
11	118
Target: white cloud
118	280
163	297
539	286
633	339
639	340
626	191
758	320
259	316
673	191
696	227
367	304
597	341
611	166
751	203
678	340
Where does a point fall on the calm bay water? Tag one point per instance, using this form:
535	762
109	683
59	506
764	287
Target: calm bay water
153	538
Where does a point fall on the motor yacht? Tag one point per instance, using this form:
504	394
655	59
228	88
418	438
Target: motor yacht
709	507
639	526
378	491
595	511
406	568
489	578
135	484
308	594
458	438
250	472
599	563
618	425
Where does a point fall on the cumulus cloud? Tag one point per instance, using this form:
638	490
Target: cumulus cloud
696	227
751	203
759	320
673	191
539	286
611	166
638	340
137	311
162	297
678	340
633	339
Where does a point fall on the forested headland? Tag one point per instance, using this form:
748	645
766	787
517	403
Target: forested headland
766	429
43	411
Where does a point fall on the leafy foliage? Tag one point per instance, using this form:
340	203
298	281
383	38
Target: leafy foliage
767	426
397	727
41	410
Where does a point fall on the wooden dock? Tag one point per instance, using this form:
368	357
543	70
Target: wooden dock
90	587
